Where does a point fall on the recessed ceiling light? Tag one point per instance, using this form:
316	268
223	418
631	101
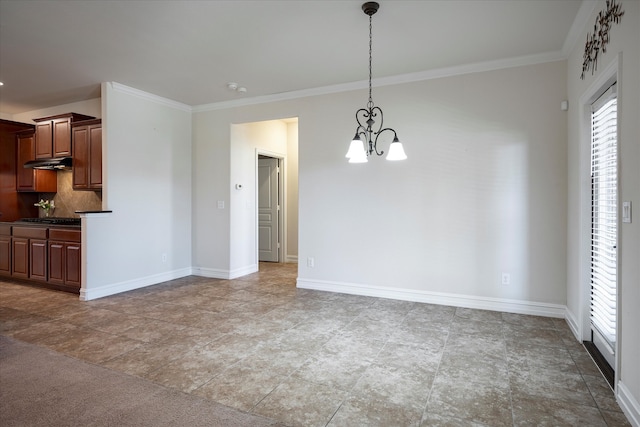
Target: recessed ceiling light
1	84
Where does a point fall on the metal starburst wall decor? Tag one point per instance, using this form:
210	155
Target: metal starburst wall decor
598	41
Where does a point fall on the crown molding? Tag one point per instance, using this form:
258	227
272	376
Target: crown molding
477	67
284	96
388	81
118	87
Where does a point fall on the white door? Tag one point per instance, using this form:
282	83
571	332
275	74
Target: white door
604	224
268	209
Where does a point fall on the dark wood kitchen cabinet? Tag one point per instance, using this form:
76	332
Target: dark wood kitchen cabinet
34	180
14	204
29	253
38	259
47	256
20	257
87	155
5	250
57	262
65	259
53	135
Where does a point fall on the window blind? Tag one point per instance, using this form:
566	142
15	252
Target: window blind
604	233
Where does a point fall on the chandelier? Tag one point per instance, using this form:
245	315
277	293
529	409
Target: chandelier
366	134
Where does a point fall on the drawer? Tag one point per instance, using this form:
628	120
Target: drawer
64	235
30	232
5	230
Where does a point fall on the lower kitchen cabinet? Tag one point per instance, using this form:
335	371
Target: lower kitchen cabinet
5	250
48	256
29	257
65	258
20	261
5	255
73	276
56	262
38	260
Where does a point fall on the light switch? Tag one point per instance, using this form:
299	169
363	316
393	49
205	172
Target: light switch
220	204
626	212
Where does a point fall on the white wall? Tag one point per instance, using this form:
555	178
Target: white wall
224	239
211	175
624	47
291	170
147	167
483	191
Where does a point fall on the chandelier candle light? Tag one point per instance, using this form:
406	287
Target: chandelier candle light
365	132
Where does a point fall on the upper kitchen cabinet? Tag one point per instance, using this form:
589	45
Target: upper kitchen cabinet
13	204
27	179
87	155
53	135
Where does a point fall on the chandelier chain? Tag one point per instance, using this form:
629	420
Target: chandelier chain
370	104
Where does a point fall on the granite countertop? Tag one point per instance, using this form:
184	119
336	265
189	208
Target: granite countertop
26	223
92	212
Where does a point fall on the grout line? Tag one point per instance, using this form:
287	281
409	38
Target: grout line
506	358
358	306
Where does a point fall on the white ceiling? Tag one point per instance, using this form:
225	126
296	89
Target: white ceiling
55	52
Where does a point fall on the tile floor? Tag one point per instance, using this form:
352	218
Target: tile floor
310	358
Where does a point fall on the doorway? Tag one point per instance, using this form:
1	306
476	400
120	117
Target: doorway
269	209
276	139
604	232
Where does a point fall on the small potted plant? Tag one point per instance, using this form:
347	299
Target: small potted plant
47	206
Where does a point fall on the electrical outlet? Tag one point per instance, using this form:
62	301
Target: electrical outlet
164	258
506	279
311	262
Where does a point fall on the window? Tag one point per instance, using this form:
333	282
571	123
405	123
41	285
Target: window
604	214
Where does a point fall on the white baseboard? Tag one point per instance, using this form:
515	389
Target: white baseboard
291	258
629	404
211	272
224	274
243	271
573	324
467	301
129	285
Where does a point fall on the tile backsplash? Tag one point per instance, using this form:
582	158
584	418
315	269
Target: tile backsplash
68	201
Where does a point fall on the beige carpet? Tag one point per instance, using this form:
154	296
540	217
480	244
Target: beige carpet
39	387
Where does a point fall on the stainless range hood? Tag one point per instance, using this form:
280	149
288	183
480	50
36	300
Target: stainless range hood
50	164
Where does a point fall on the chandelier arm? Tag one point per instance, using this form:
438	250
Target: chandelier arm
380	132
365	115
386	129
374	112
